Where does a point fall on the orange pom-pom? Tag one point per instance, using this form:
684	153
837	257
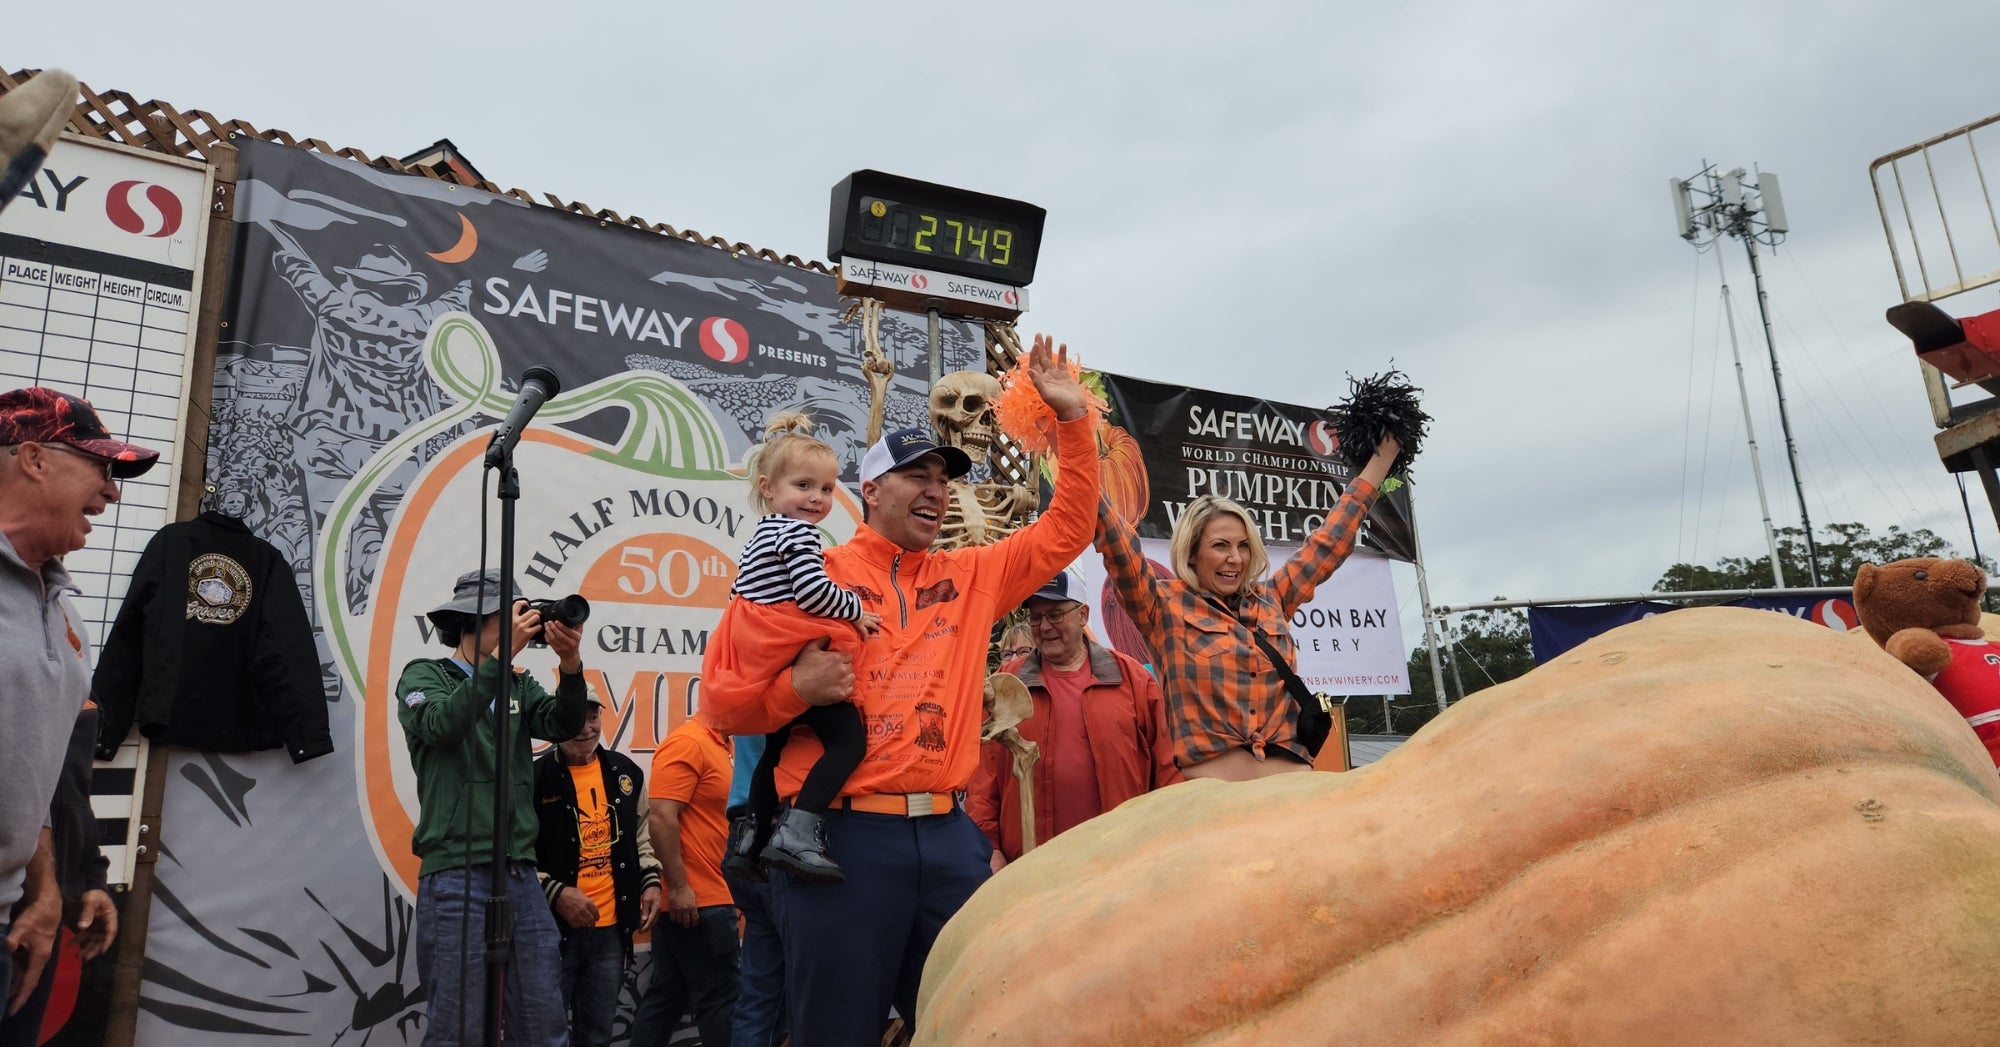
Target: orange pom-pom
1029	421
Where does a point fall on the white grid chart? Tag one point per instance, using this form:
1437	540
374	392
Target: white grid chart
120	343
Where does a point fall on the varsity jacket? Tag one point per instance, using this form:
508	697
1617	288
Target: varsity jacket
918	683
557	845
212	649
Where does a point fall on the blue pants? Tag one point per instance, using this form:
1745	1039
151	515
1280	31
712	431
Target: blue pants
451	959
854	949
694	968
593	970
760	999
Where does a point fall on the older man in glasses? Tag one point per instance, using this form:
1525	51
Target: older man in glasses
59	469
1099	722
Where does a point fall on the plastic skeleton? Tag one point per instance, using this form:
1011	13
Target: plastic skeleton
1007	704
962	415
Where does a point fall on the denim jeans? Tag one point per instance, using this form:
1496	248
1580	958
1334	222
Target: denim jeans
760	1000
451	959
694	968
593	969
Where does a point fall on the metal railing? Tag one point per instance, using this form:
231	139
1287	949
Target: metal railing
1937	213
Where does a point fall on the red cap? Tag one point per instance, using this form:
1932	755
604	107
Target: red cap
45	416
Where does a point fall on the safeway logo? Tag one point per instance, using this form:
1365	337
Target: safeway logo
1322	440
918	281
1011	298
143	209
1837	615
725	340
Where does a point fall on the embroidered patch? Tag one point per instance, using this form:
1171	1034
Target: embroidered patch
218	590
942	592
415	699
75	641
625	784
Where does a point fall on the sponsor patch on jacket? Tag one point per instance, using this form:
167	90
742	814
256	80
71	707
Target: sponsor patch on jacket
625	784
867	595
942	592
218	590
414	699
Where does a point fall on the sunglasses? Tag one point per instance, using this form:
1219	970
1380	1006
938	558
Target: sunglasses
103	464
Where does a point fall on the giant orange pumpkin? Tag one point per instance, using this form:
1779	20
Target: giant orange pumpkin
1715	827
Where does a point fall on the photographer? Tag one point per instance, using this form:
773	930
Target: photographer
445	706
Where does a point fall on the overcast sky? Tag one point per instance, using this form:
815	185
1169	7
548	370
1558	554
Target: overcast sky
1257	198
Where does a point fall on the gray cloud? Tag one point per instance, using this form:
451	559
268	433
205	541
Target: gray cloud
1261	198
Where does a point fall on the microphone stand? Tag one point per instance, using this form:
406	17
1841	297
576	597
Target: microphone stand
499	915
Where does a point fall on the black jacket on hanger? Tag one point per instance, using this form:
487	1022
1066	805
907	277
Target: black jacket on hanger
212	648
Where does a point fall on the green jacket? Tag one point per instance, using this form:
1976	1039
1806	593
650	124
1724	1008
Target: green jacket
450	733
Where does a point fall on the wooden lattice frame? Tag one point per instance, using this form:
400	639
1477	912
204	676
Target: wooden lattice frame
117	116
1010	462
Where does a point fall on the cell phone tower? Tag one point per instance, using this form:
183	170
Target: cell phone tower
1716	204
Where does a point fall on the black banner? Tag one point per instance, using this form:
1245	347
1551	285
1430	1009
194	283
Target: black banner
1279	460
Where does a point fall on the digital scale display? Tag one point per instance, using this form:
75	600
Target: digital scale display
888	218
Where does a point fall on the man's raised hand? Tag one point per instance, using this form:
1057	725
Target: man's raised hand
1048	368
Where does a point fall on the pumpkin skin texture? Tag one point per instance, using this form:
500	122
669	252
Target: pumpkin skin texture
1718	826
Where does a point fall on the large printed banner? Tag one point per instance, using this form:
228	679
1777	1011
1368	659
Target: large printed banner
1279	460
1349	637
1553	630
375	326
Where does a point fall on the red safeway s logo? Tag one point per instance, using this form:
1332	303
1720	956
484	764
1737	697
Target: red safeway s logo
1011	298
1322	439
917	281
725	340
143	209
1837	615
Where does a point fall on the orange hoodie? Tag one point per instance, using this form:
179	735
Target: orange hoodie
919	682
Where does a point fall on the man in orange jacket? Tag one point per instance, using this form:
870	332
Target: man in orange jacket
911	855
1099	723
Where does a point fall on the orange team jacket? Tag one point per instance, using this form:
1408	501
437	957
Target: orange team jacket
918	683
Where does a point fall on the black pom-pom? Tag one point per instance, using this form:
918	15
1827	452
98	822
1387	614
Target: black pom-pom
1384	405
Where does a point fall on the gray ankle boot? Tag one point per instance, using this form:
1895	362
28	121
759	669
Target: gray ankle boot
798	845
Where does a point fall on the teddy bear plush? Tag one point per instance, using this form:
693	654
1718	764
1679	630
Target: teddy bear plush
1925	612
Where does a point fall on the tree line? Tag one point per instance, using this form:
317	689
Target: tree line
1493	647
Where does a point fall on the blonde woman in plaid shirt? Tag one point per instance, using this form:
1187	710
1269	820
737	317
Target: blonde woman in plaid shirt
1226	705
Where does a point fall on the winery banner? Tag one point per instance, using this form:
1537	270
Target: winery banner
1279	460
374	327
1553	630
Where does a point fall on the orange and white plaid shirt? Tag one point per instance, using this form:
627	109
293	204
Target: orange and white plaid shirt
1221	692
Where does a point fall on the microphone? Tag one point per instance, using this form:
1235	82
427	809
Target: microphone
538	385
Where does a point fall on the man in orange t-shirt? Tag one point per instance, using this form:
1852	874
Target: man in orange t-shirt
694	946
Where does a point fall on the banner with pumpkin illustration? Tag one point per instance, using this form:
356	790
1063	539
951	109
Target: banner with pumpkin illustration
374	327
1167	445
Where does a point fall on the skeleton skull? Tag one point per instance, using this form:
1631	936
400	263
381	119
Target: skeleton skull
962	412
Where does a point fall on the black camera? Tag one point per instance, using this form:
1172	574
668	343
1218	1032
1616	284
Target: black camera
572	611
